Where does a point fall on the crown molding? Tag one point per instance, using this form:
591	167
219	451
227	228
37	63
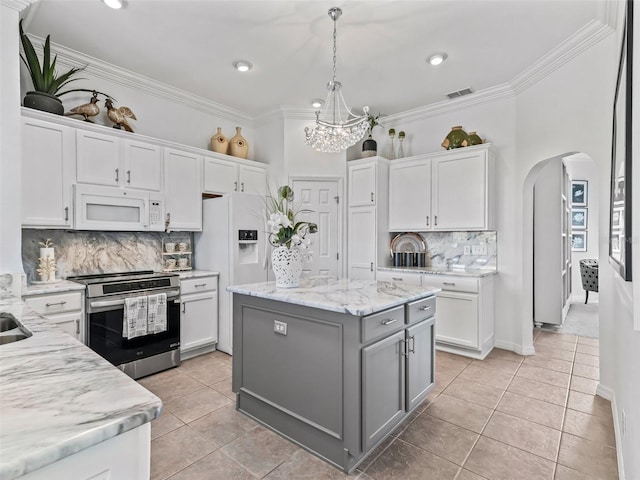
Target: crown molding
592	33
17	5
107	71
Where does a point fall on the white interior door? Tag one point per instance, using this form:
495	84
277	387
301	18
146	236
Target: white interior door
321	197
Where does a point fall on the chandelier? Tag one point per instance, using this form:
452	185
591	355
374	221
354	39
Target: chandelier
337	128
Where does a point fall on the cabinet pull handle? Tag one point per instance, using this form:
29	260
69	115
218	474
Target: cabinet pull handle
404	348
184	307
425	308
242	186
198	285
77	326
451	284
412	349
397	279
436	220
235	186
372	266
427	220
128	176
371	197
56	303
66	214
117	175
389	321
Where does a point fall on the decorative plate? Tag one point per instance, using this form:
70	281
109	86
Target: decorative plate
407	242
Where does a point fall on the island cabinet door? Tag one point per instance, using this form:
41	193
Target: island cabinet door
383	388
420	362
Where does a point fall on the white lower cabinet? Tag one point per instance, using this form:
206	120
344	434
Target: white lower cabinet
199	316
66	310
465	319
124	457
412	278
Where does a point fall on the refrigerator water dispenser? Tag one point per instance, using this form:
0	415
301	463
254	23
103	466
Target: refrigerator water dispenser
247	246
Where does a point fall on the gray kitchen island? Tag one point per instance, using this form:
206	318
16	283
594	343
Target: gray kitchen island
333	365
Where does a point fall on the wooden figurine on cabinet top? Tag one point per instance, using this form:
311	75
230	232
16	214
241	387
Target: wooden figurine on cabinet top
119	115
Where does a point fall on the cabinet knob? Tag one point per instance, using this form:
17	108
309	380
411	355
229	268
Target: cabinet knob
372	266
427	220
235	186
436	220
242	186
77	326
371	196
66	214
117	175
128	176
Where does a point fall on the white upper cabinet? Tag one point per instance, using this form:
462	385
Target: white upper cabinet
362	185
142	165
98	158
224	176
48	172
410	195
183	189
445	191
108	160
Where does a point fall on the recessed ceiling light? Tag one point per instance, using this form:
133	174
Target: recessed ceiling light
115	4
317	103
437	58
242	65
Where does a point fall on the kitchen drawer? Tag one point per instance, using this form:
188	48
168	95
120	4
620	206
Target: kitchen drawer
383	323
421	309
452	283
401	277
70	322
58	303
197	285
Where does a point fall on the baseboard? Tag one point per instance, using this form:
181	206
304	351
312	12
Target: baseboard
617	429
514	347
605	392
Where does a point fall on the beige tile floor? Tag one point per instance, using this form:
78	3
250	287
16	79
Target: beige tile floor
505	417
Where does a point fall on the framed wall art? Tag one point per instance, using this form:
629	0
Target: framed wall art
579	193
579	218
579	241
620	204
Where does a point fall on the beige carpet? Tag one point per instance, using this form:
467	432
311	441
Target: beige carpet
582	320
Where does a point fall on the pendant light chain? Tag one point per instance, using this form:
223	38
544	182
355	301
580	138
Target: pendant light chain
335	20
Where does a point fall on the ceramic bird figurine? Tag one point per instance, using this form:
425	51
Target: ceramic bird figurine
119	115
87	110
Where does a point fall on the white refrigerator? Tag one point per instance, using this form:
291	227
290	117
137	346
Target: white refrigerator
233	243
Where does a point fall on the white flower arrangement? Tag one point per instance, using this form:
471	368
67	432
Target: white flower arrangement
284	230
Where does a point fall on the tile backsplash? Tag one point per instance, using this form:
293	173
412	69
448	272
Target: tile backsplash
84	253
449	248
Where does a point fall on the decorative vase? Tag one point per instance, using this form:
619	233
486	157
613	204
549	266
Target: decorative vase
455	138
472	139
238	146
401	137
219	142
369	147
47	259
391	155
287	266
44	102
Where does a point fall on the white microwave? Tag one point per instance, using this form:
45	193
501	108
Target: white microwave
120	209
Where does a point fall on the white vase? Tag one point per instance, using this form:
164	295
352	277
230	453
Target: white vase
287	266
48	252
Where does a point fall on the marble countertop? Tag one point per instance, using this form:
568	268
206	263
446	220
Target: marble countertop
184	275
59	287
469	272
58	397
355	297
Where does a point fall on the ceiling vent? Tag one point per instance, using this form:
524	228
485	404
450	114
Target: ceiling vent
459	93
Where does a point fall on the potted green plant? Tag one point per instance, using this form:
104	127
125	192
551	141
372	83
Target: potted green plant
46	82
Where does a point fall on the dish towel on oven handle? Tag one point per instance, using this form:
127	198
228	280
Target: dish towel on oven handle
134	323
157	313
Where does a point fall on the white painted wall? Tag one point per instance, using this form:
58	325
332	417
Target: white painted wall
581	167
10	147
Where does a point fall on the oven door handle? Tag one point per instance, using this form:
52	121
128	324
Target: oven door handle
171	295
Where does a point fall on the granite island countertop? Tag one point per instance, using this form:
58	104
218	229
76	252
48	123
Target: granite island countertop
58	397
342	295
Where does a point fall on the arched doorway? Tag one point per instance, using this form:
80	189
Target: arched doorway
586	168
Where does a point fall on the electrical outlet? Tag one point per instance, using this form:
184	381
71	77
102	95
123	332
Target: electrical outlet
280	327
467	250
480	249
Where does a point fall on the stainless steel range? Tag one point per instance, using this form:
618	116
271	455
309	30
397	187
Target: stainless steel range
106	325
